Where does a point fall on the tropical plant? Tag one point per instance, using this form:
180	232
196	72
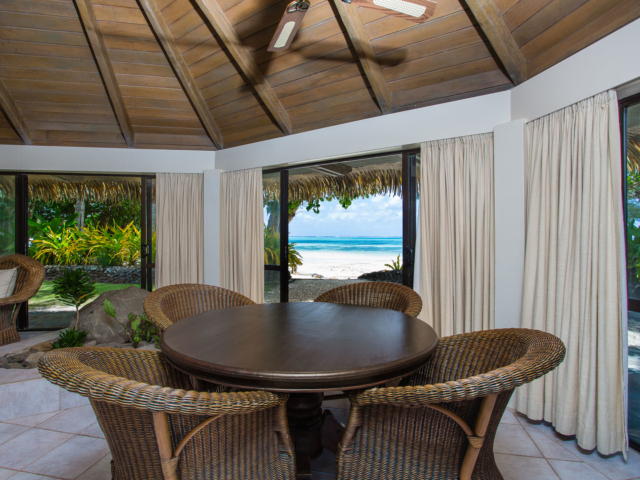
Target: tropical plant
39	226
395	265
139	327
64	248
70	338
7	224
74	287
272	250
113	245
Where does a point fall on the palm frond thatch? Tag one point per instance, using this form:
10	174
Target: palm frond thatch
58	188
366	180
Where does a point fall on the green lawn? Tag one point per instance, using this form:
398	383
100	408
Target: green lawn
44	297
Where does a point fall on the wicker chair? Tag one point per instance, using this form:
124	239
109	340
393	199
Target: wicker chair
168	305
158	430
375	294
442	423
30	277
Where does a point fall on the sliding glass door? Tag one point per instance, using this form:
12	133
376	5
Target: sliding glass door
630	122
101	224
339	222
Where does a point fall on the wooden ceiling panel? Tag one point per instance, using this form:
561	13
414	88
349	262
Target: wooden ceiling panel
147	81
205	76
8	135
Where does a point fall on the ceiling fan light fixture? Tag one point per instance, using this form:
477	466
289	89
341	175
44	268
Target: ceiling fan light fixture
408	8
289	25
415	10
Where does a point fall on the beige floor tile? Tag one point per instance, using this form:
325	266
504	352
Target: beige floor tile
32	420
550	448
24	449
613	467
4	473
100	471
514	467
322	476
325	463
93	430
70	400
575	471
73	420
512	439
9	431
32	397
509	417
64	461
18	375
30	476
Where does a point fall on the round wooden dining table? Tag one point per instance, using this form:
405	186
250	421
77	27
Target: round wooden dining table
304	349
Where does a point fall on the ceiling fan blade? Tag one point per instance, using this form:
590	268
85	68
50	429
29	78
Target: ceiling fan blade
288	26
415	10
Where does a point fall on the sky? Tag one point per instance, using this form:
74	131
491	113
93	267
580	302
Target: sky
377	216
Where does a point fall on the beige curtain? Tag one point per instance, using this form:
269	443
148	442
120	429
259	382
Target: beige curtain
574	272
454	272
179	229
242	234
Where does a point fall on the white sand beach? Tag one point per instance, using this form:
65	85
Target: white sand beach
340	265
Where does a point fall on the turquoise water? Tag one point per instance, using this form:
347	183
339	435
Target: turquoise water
387	246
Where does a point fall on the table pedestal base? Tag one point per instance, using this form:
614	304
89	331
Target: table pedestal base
304	412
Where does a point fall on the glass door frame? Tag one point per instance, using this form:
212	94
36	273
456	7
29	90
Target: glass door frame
22	224
632	304
409	213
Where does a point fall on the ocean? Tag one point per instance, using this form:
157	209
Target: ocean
345	257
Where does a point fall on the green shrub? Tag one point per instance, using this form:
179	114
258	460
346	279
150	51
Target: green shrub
70	338
272	250
395	265
74	287
139	328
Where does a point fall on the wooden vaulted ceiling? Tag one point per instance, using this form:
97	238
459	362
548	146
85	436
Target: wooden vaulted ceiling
196	74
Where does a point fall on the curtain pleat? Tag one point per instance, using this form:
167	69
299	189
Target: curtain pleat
454	271
179	229
242	235
574	271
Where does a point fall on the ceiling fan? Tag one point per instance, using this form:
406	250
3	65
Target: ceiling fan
415	10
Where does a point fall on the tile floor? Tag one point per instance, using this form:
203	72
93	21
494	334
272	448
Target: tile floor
68	444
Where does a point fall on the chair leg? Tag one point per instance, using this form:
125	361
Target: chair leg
163	437
476	441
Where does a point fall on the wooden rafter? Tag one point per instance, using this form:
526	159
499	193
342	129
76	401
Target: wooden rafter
245	61
14	115
101	54
494	27
171	49
366	55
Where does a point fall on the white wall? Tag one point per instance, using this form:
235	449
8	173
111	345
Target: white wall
509	143
606	64
212	227
104	160
384	133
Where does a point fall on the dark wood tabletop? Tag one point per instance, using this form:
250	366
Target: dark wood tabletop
299	347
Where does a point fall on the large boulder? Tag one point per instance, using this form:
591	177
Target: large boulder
100	326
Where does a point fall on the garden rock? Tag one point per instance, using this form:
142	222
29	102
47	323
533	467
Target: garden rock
92	343
32	360
41	347
18	356
100	326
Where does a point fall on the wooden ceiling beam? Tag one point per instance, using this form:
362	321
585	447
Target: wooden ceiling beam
366	55
173	53
101	54
14	115
245	61
494	27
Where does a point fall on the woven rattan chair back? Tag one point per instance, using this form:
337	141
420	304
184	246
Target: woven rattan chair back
158	430
30	277
173	303
375	294
442	422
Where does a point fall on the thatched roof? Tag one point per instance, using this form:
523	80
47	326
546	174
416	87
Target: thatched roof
365	180
57	188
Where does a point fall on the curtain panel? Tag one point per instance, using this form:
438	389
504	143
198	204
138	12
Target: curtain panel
242	233
455	241
574	280
179	229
